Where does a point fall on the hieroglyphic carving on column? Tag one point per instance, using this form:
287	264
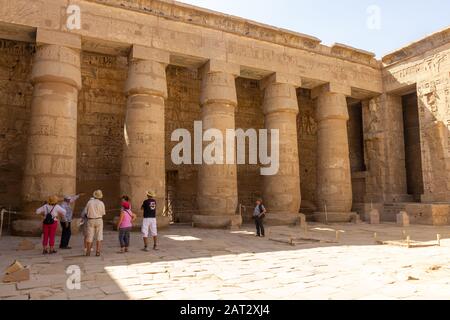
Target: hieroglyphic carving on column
143	159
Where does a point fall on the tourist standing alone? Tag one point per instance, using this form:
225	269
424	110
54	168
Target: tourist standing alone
259	215
66	223
125	225
95	211
51	211
149	222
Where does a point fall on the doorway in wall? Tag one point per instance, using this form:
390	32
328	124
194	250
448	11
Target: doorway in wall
356	148
413	151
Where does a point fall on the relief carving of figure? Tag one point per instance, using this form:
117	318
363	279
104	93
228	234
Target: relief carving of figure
306	125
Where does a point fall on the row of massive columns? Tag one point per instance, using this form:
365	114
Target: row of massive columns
51	154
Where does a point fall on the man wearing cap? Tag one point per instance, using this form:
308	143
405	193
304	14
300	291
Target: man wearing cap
67	220
95	211
149	222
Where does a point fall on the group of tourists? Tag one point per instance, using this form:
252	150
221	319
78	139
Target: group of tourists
92	222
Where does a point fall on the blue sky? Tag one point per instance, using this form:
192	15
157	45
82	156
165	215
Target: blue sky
345	21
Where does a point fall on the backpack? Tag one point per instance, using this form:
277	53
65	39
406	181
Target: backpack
49	219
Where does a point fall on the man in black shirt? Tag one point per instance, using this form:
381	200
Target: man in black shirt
149	222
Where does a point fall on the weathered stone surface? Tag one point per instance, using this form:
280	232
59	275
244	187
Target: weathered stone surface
281	191
334	188
283	219
217	182
428	214
374	216
403	219
161	222
143	163
54	140
216	222
27	228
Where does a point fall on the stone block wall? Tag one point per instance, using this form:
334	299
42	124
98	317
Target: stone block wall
15	100
182	109
307	146
249	115
101	115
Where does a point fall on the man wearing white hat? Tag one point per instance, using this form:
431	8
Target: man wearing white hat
95	211
149	222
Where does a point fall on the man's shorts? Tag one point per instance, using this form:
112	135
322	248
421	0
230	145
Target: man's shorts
149	223
94	230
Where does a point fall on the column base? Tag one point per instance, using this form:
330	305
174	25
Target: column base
282	219
162	223
33	228
26	228
216	222
333	217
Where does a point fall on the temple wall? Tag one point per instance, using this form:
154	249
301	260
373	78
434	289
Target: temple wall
307	145
383	169
428	72
15	100
249	115
384	150
101	115
182	109
356	146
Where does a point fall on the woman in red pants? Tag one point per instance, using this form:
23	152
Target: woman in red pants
51	211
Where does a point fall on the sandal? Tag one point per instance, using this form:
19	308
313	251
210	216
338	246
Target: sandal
97	254
53	252
45	251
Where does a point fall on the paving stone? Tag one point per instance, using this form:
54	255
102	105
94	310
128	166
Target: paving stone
7	290
350	271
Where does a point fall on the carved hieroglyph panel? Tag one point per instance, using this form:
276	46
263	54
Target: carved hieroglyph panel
15	105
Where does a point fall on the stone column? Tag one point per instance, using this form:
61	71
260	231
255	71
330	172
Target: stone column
281	191
334	183
50	166
217	194
143	162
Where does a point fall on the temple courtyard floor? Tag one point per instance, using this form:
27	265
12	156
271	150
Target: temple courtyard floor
235	265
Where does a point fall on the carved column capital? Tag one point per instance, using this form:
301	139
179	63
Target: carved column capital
331	104
218	83
57	58
279	95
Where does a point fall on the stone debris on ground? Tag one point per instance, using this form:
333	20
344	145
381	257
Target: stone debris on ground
16	272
